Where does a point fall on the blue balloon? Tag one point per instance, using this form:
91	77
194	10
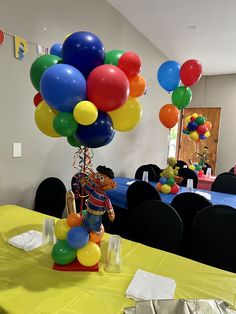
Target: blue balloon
77	237
168	75
84	51
98	134
192	126
163	180
62	87
202	136
56	50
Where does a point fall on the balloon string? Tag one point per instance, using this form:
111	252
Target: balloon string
83	156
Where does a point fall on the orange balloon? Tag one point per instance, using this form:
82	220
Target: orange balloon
137	86
169	115
208	124
158	186
97	237
74	219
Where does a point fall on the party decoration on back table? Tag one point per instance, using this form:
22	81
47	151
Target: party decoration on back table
169	180
169	76
78	236
197	127
85	93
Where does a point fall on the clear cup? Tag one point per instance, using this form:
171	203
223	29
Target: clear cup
48	236
208	172
189	187
114	258
145	176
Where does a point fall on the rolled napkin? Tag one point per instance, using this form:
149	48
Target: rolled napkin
147	286
27	241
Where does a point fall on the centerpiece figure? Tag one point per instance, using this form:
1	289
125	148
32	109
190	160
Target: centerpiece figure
98	202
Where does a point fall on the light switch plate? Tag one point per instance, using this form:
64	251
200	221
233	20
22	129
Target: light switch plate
16	152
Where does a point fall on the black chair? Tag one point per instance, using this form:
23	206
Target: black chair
180	164
231	170
186	174
50	197
224	183
187	206
205	167
151	173
214	236
156	224
157	170
140	191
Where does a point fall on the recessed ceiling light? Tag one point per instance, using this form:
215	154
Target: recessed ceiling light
45	28
192	27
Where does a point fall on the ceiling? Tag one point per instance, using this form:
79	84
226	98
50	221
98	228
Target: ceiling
188	29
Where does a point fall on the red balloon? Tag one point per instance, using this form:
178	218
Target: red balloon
37	99
202	129
200	173
174	189
190	72
107	87
130	63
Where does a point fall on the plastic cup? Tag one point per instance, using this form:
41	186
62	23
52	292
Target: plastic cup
208	172
48	236
113	258
189	187
145	176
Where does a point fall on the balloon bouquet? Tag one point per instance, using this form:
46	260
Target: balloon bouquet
84	93
169	76
197	128
169	180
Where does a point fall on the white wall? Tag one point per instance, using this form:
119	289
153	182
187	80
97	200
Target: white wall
43	156
220	91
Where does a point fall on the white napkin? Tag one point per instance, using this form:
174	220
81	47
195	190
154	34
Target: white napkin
27	241
206	195
130	182
147	286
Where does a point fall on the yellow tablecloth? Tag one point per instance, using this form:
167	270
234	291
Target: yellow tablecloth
29	285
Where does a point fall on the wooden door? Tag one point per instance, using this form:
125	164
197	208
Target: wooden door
187	149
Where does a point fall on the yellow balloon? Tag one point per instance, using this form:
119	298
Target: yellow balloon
89	254
165	188
207	134
127	116
192	167
61	229
195	115
85	112
187	119
44	116
194	136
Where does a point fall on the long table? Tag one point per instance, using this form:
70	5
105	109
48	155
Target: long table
118	195
29	285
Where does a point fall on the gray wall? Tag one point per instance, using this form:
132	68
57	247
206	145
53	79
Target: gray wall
220	91
43	156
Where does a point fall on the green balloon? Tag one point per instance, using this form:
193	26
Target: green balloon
200	120
181	97
38	67
65	124
171	181
113	56
73	141
62	253
198	168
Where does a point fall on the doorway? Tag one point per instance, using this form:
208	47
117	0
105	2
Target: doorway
187	149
